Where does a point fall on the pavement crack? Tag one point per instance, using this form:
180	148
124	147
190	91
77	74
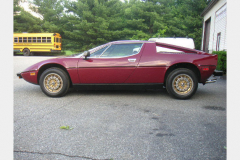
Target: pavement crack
49	153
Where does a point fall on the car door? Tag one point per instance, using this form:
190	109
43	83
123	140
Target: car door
112	63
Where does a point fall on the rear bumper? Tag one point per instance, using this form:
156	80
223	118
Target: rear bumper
218	73
215	73
55	50
19	75
211	80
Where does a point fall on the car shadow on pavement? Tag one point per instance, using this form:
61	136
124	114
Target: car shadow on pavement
129	92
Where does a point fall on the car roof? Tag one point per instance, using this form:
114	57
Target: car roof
157	43
130	41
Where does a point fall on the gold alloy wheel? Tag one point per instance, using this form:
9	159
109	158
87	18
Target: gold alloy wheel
53	83
182	84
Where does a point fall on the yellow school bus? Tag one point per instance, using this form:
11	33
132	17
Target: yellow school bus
28	43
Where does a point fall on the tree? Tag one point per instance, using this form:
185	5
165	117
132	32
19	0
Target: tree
24	21
52	12
84	24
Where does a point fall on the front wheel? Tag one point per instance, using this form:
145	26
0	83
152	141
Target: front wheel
54	82
182	83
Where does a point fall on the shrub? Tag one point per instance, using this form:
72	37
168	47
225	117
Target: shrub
222	59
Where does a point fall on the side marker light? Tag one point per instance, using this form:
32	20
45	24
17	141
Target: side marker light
32	73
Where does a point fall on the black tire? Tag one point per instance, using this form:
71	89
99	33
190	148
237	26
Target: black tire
26	52
54	82
182	83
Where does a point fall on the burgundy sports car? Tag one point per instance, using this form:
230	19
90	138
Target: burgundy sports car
125	64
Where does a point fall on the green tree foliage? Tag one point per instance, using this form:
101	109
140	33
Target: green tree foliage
52	12
24	21
84	24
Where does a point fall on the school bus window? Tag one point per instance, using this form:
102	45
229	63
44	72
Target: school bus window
15	39
49	39
24	39
34	39
20	39
44	39
30	39
39	39
54	39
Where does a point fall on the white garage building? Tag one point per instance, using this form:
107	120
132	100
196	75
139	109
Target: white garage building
214	36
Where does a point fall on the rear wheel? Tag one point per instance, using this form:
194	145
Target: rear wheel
26	52
182	83
54	82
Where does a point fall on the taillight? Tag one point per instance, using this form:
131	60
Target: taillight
205	68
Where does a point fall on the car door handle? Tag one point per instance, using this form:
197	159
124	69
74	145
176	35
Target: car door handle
132	60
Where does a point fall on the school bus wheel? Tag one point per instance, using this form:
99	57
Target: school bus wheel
26	52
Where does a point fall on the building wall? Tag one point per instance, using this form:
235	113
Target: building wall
218	26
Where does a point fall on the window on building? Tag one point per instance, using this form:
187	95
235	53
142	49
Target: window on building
218	41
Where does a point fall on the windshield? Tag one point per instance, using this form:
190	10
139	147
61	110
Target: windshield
91	50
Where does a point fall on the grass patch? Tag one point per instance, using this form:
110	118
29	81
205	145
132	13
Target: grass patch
68	52
65	127
222	60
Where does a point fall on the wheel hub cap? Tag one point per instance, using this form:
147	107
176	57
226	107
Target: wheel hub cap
53	83
182	84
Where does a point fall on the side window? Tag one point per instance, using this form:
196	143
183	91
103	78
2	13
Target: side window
20	39
98	52
29	39
24	39
44	39
35	39
49	39
166	50
39	39
122	50
15	39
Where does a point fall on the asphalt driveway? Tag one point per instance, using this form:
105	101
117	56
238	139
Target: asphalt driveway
131	125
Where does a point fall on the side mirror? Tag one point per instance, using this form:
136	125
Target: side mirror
86	54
